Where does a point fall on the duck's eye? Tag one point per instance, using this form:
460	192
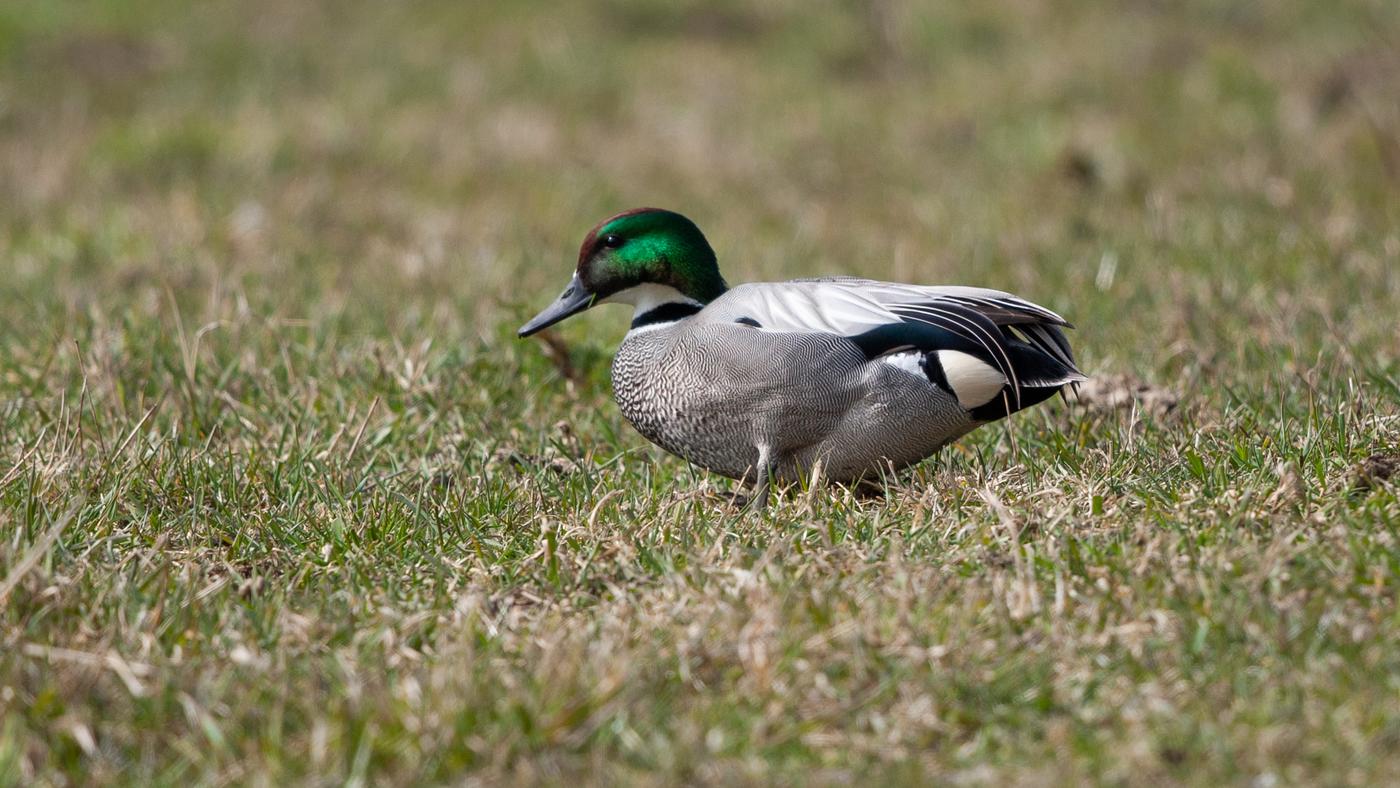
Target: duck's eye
612	240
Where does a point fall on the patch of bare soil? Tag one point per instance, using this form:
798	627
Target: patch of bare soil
1109	393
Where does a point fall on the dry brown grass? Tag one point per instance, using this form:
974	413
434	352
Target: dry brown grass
282	499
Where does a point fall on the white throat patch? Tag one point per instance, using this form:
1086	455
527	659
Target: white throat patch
647	297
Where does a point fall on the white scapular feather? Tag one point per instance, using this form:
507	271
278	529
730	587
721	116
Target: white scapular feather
974	382
895	293
813	306
849	306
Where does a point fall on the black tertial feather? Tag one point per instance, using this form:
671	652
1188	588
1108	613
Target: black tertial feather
1041	376
975	328
910	335
933	369
1019	341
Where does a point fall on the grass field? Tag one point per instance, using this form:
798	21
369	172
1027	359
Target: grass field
282	499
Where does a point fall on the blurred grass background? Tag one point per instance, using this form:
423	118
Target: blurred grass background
261	408
460	150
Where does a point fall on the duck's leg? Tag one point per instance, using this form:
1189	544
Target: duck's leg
764	471
759	500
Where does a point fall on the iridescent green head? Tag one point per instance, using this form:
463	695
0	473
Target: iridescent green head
645	255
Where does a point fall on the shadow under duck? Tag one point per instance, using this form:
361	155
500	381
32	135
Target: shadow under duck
767	381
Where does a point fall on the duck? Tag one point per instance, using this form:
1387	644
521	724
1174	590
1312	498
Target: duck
836	377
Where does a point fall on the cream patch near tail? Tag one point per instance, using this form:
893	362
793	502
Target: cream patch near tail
973	381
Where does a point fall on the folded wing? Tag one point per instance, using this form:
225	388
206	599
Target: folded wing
975	341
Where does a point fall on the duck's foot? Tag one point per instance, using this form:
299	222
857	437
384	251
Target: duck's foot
752	500
869	489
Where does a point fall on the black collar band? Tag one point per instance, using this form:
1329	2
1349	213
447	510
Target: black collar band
667	313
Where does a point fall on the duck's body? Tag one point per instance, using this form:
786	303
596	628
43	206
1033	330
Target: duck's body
775	380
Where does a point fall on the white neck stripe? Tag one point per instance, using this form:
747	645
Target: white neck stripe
645	298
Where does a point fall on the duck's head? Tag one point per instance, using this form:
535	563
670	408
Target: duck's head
646	257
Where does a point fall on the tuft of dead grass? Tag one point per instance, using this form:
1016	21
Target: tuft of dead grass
1376	471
